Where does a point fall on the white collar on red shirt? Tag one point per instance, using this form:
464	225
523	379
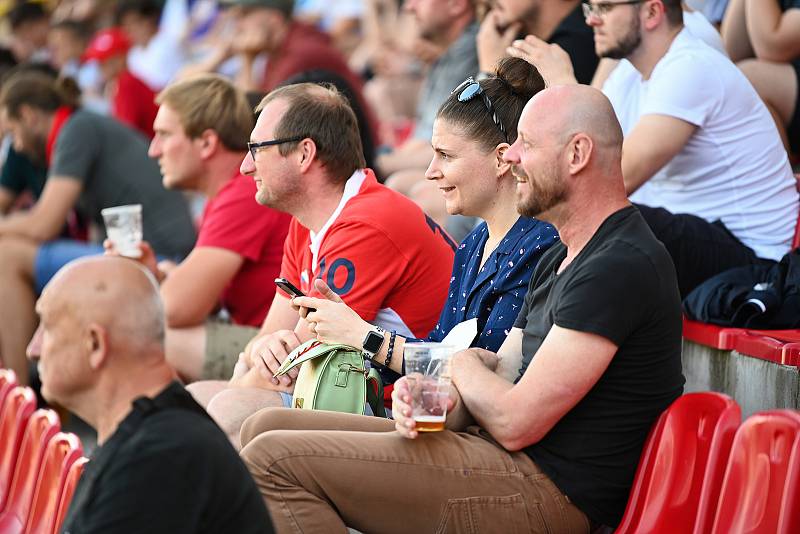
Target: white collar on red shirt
351	189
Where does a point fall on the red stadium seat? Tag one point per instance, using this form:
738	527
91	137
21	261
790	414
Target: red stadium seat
17	409
62	451
762	480
71	481
42	426
779	346
8	381
681	467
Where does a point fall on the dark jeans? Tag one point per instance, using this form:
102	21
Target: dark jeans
699	249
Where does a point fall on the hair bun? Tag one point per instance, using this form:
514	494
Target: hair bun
523	78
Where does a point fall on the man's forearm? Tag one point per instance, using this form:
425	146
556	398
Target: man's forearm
459	418
482	393
414	154
763	20
21	225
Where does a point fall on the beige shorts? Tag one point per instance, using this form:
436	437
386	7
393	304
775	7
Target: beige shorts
224	342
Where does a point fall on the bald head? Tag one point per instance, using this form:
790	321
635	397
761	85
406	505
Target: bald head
568	154
566	110
116	293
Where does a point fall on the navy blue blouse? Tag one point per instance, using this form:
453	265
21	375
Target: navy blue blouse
493	293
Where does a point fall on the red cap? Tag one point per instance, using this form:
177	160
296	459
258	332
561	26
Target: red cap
107	43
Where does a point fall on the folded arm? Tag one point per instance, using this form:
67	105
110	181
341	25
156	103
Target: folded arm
564	369
775	35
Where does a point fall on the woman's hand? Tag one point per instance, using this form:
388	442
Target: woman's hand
332	321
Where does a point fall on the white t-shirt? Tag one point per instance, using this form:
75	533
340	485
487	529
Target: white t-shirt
157	63
698	25
734	168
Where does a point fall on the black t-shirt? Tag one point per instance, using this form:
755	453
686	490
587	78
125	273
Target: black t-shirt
789	4
167	469
621	286
577	40
20	174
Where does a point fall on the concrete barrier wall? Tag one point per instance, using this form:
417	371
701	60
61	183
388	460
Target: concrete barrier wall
755	384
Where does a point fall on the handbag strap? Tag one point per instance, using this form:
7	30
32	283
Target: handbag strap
375	394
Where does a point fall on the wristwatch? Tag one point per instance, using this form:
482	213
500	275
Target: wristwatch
372	342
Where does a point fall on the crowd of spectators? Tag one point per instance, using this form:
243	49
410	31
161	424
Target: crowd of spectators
563	172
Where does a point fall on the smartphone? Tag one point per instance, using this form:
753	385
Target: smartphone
289	287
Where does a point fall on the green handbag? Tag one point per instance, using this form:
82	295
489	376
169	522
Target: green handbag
334	378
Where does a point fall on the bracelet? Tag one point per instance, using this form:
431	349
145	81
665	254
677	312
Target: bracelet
390	349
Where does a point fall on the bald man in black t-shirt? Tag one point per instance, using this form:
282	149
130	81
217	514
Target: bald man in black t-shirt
161	465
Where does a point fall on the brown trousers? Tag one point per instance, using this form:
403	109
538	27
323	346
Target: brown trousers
320	471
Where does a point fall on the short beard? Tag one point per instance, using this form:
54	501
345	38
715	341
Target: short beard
628	44
36	150
541	198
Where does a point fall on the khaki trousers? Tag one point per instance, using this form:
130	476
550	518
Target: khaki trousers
319	471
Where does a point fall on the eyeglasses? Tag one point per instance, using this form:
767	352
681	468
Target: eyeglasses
598	9
254	147
469	89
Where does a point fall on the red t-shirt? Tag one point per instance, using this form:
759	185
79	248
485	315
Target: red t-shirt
382	255
306	49
135	103
234	221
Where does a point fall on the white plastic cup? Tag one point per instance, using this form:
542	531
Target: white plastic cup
428	374
124	228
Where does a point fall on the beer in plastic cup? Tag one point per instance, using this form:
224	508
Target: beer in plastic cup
428	374
124	228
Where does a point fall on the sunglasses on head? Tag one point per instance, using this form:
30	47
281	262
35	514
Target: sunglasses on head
469	89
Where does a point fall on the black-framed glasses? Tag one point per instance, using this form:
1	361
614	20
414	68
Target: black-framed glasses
598	9
469	89
254	147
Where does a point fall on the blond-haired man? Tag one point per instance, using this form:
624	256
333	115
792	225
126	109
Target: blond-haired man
200	139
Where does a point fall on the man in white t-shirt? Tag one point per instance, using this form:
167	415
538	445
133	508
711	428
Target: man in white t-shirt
700	146
698	141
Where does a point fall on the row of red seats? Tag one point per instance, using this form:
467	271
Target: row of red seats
39	465
700	472
779	346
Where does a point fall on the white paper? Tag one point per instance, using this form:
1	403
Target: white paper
462	335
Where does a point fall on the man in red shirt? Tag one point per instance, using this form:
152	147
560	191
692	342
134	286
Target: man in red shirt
200	139
373	247
132	101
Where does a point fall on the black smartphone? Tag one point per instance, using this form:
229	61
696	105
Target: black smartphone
289	287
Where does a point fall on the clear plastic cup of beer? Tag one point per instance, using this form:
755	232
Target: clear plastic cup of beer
428	374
